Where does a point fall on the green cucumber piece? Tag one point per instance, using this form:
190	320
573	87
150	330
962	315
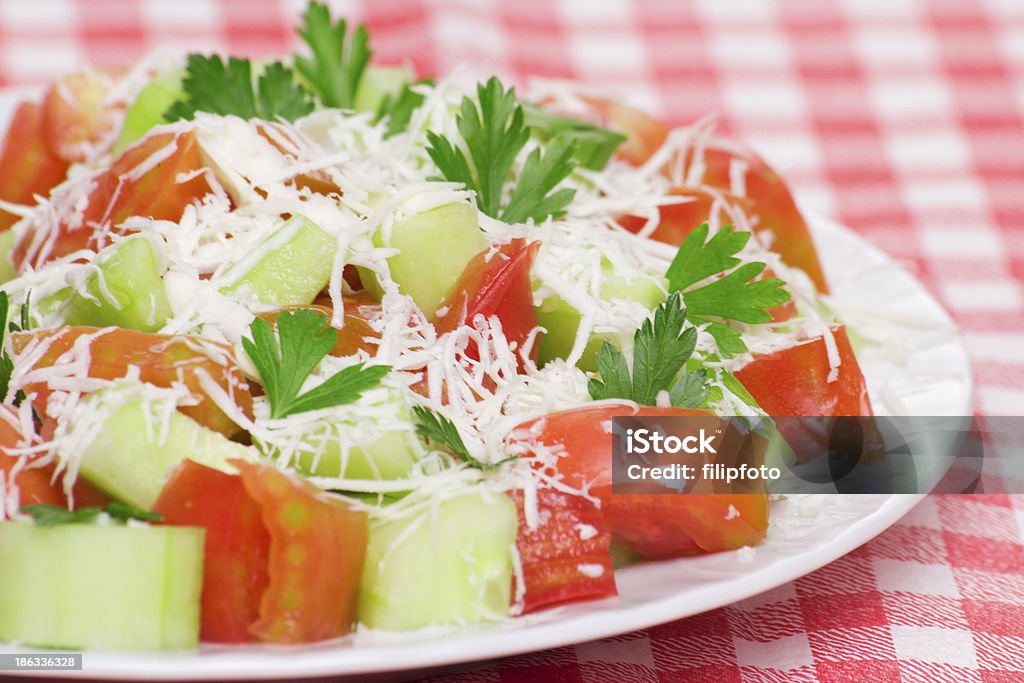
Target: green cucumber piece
378	82
148	109
131	271
453	568
561	320
434	248
294	264
94	587
128	459
391	456
7	270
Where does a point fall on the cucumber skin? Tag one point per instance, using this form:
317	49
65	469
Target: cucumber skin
378	82
389	457
7	270
148	109
294	274
132	273
561	320
90	587
434	248
463	577
128	462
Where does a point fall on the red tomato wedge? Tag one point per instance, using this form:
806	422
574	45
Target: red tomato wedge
356	333
76	115
770	199
283	560
773	205
677	221
167	184
37	484
317	548
794	381
566	557
161	360
237	547
27	167
495	284
644	133
655	525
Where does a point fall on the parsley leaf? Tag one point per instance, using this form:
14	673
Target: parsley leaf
660	350
594	144
440	429
124	512
338	60
6	362
736	295
225	88
530	198
494	133
53	515
305	338
398	109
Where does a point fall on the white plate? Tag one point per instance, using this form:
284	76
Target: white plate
805	534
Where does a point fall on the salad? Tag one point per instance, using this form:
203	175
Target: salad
300	347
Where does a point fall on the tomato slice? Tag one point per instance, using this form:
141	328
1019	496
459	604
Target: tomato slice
76	116
655	525
496	284
237	546
356	334
677	221
161	192
773	205
566	558
794	381
161	360
27	167
317	549
283	560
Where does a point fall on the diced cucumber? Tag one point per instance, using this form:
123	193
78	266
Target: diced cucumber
7	270
561	320
454	567
93	587
378	82
289	268
127	292
148	109
435	247
131	459
391	456
373	438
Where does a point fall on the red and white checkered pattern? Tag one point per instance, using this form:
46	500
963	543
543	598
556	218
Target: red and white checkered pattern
903	119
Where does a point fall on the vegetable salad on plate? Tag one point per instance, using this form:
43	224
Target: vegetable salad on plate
304	347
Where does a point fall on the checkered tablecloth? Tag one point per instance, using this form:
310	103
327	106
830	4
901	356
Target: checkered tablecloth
904	120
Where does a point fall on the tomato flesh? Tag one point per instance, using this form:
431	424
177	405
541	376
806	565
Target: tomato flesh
794	381
162	360
116	195
655	525
317	549
495	284
76	116
283	559
27	167
566	558
237	547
